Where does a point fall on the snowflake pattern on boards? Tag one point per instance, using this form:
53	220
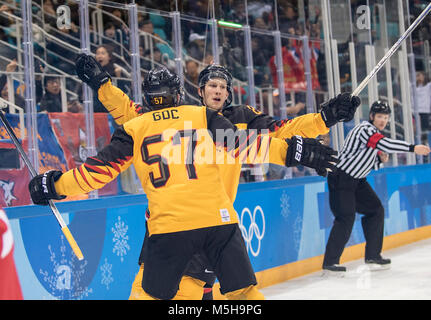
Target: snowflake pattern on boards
297	226
64	281
107	278
285	207
297	232
120	238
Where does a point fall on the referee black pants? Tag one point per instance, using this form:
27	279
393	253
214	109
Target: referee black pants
347	196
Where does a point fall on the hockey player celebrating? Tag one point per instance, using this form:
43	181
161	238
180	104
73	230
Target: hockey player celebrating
215	89
190	211
364	149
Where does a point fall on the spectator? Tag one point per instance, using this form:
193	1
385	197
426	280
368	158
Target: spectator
7	27
159	25
51	100
50	15
292	110
147	27
197	8
293	68
258	9
192	71
157	57
191	82
19	89
196	46
423	95
157	40
120	31
164	48
288	17
315	30
19	100
147	30
260	59
110	33
118	13
235	59
145	58
237	14
104	55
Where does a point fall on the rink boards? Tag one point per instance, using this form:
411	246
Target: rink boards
285	226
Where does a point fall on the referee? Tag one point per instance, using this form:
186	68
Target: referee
365	148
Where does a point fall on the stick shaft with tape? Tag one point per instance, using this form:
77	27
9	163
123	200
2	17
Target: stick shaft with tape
33	173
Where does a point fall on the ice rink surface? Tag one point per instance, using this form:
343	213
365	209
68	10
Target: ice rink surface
409	278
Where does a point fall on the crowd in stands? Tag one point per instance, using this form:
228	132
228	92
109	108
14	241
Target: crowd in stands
56	49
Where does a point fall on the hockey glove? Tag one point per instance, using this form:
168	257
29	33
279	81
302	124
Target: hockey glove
91	72
310	153
339	109
42	187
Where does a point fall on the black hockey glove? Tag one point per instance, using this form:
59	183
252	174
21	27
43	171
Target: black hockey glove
310	153
42	187
90	71
339	109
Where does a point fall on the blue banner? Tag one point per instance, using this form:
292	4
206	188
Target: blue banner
14	183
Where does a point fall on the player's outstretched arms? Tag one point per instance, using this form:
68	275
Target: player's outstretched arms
95	173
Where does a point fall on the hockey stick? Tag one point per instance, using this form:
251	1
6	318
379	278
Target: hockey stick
33	173
392	50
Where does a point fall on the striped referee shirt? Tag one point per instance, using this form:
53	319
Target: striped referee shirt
361	147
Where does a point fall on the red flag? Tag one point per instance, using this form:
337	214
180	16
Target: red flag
70	130
14	183
10	288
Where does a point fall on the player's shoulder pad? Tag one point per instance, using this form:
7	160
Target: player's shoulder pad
241	108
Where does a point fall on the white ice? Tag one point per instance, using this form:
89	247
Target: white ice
408	278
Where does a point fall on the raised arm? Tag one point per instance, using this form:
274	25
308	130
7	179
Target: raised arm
251	143
339	109
116	102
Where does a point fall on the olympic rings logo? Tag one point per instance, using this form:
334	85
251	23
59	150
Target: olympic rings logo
253	229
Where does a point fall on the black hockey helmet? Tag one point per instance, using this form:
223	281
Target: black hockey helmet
380	106
162	88
214	71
